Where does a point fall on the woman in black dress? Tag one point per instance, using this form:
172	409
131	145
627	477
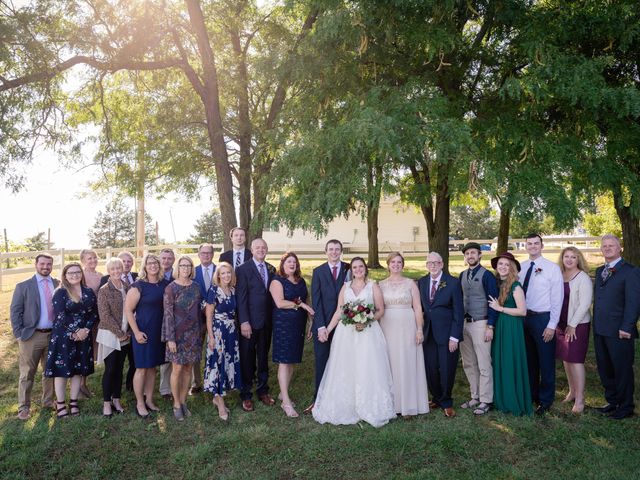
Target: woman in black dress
289	292
70	347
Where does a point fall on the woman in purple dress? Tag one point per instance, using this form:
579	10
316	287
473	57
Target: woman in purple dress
182	330
572	332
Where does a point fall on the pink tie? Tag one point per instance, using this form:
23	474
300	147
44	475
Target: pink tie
48	297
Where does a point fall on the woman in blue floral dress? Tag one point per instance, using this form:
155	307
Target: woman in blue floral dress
222	370
70	347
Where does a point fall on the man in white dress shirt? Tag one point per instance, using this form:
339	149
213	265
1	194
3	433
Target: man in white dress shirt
239	253
542	282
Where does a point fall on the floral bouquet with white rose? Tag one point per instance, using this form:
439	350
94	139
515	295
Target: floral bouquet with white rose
359	314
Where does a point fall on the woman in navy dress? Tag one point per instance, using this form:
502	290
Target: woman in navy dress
289	292
70	347
222	370
144	310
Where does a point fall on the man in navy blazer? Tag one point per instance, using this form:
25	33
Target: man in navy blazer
204	278
326	282
615	313
239	253
254	314
443	310
32	321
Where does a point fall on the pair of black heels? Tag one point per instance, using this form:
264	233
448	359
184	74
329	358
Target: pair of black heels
118	411
149	409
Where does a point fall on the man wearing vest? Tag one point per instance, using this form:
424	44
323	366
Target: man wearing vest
478	285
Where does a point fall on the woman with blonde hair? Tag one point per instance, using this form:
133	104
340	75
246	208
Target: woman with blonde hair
113	338
181	330
70	347
402	327
572	332
512	393
222	370
89	261
144	310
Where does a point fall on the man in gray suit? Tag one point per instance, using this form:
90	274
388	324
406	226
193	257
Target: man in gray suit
32	321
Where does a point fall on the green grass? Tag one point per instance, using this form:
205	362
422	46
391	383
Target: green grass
266	444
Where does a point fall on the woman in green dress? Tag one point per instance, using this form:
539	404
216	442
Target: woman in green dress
510	374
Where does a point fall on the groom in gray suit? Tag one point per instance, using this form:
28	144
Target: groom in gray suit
32	321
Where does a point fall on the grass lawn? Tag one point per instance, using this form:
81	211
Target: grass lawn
266	444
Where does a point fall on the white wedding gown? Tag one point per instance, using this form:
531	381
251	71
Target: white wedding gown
357	381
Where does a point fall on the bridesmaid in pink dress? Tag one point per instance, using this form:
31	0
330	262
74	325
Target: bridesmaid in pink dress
89	261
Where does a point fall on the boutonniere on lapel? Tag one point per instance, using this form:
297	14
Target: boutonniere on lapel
442	285
271	269
537	270
611	271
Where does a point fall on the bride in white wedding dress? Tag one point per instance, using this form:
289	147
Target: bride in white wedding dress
357	381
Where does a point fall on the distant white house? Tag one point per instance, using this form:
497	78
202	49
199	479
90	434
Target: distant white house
400	227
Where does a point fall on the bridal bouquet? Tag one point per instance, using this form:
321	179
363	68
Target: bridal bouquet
358	314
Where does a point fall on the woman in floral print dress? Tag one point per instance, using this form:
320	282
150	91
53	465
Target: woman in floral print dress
222	370
70	347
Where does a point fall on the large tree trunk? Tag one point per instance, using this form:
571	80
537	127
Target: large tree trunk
211	100
437	219
373	254
244	130
503	229
630	227
374	191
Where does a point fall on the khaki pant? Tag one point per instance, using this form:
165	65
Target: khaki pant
165	379
476	361
32	352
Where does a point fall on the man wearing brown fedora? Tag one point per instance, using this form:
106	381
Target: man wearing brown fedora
478	287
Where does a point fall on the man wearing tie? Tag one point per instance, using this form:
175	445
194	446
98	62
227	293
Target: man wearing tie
32	319
615	313
254	314
204	274
127	275
167	259
239	253
326	282
542	283
443	310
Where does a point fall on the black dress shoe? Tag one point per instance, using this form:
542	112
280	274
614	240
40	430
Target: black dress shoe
620	414
541	410
608	408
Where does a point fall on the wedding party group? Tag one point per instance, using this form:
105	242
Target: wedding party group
381	349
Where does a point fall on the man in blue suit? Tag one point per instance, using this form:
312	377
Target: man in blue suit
326	282
204	279
443	310
615	313
254	314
